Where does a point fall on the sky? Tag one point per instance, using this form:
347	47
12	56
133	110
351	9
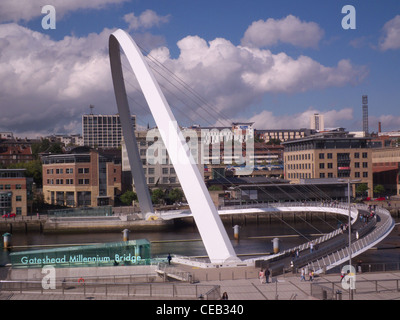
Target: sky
274	63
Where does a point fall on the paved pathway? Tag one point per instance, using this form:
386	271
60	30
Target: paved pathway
369	286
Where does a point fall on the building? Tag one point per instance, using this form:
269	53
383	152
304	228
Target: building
334	154
317	122
282	134
14	151
15	192
158	169
386	169
84	177
247	190
67	140
103	131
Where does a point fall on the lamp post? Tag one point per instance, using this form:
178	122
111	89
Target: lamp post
349	225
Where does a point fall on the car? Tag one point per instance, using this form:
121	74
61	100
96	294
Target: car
9	215
380	199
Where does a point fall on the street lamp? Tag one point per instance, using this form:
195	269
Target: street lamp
349	224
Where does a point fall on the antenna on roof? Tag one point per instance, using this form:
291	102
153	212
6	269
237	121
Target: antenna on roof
91	108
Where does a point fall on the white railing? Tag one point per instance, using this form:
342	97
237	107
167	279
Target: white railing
381	230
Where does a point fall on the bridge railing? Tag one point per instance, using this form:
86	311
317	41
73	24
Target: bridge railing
382	226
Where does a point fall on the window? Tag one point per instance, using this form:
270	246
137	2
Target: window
322	175
365	174
322	156
365	164
365	155
151	170
356	174
356	155
322	165
329	155
164	170
18	186
356	164
18	198
330	165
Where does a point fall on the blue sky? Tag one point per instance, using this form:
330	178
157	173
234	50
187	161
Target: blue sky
271	62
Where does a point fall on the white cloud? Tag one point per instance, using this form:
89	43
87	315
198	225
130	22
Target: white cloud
267	120
146	20
232	78
287	30
391	34
47	84
388	122
26	10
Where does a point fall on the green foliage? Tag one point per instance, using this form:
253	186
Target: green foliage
175	195
379	189
157	195
128	197
215	188
33	170
362	188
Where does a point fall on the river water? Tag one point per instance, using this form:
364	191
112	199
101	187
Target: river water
185	240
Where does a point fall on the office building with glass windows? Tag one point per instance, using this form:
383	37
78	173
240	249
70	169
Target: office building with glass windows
103	131
335	154
82	178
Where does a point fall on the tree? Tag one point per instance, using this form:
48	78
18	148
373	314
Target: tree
175	195
362	189
157	195
33	170
128	197
379	190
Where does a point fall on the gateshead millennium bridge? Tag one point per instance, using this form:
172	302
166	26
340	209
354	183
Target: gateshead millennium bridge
335	248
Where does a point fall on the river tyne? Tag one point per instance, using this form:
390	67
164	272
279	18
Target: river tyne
254	239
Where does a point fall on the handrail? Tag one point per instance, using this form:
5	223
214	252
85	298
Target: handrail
379	231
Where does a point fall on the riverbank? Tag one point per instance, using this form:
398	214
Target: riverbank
82	225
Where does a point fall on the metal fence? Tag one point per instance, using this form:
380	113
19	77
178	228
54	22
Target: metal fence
335	291
127	290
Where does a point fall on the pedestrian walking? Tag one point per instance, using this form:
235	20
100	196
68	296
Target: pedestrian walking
311	275
261	276
267	274
169	258
302	275
311	247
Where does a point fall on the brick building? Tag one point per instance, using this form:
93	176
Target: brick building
15	192
84	177
329	155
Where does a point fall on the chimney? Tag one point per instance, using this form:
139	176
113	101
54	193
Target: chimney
379	127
